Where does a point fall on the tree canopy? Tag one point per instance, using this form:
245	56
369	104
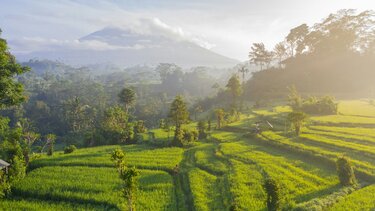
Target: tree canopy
11	91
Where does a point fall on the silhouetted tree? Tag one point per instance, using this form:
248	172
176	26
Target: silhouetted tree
296	37
260	56
280	52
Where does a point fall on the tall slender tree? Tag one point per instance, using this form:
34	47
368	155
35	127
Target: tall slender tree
243	70
260	56
179	115
234	87
295	39
280	52
127	97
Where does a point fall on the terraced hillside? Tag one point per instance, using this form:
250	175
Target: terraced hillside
224	172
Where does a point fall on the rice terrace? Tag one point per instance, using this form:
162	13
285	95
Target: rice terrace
143	115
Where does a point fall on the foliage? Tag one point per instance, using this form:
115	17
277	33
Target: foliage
129	177
4	185
202	128
178	139
139	127
178	111
345	171
11	91
77	114
220	117
127	96
179	115
69	149
115	127
323	106
320	58
235	89
273	194
297	118
190	135
50	139
260	56
294	99
118	156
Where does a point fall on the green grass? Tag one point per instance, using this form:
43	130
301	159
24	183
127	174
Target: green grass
206	190
297	178
142	156
206	158
246	186
339	144
357	132
92	188
363	199
225	136
356	108
344	120
222	172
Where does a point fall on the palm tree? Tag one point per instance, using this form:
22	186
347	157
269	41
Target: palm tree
243	70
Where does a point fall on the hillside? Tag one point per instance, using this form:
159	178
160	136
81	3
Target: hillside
222	172
122	47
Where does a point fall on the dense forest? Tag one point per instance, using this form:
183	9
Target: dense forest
334	56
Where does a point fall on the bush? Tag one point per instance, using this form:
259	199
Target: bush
202	127
345	171
69	149
190	135
323	106
272	189
178	138
139	127
50	150
4	185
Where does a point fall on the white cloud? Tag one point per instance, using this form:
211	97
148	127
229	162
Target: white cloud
32	44
231	25
142	26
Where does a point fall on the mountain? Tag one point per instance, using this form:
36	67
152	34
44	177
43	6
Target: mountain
125	47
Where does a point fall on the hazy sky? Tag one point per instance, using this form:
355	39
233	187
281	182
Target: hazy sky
227	27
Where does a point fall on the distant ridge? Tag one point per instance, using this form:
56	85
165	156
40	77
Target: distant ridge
126	48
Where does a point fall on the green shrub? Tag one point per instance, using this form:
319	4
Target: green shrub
139	127
69	149
345	171
273	194
202	127
190	135
322	106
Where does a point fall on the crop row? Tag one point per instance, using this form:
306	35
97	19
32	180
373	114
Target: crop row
339	144
137	155
355	132
295	178
366	170
246	186
362	199
207	190
205	158
96	187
